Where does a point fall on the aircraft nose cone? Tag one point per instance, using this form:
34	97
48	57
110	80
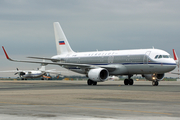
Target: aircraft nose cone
174	64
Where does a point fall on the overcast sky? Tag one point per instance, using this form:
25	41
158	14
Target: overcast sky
26	26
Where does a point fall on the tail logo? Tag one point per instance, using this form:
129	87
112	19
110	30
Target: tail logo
61	43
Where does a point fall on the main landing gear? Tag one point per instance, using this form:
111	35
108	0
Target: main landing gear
129	81
90	82
155	83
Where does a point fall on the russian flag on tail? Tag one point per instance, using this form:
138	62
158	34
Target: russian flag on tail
61	43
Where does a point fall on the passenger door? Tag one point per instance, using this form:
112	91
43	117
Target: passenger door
146	57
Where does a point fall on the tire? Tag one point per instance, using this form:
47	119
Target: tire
126	82
131	82
155	83
94	83
89	82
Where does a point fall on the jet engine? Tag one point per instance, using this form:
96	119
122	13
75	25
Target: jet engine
98	74
153	77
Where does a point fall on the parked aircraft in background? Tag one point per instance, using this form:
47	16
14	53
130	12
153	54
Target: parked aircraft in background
113	78
31	74
99	65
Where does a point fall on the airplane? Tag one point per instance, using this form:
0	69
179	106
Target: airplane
26	74
99	65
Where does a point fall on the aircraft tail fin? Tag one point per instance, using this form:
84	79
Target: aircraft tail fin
43	68
62	44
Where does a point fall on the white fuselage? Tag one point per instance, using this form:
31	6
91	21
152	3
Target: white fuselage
139	61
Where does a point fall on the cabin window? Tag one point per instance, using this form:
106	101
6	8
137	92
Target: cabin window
165	56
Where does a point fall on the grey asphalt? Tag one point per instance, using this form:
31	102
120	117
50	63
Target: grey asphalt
76	100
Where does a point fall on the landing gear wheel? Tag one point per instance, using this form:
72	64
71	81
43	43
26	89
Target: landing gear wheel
94	83
126	82
155	83
90	82
131	82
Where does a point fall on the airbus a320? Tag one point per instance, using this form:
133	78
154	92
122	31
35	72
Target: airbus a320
99	65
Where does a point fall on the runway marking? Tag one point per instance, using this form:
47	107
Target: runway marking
90	108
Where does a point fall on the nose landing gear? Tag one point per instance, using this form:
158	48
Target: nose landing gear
155	83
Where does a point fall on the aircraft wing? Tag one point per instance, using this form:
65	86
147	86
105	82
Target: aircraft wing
43	58
89	66
11	71
55	72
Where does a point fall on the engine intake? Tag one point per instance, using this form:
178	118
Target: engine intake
98	74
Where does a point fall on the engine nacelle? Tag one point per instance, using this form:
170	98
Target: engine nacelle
98	74
153	77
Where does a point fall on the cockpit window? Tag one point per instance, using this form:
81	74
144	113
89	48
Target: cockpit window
156	57
160	56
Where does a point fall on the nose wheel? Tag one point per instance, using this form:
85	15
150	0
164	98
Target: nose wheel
155	83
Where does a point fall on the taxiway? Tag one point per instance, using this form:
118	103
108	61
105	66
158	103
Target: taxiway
77	100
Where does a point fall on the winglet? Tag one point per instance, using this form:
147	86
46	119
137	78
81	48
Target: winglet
5	53
175	56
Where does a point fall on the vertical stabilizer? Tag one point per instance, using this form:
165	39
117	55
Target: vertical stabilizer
62	44
43	68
